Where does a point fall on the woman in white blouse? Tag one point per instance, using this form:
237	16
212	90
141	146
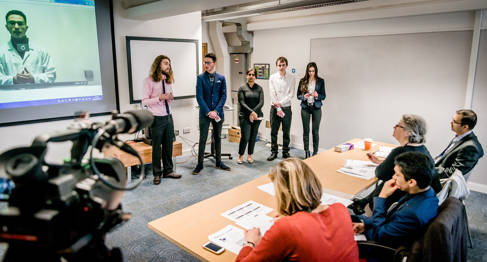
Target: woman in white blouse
311	92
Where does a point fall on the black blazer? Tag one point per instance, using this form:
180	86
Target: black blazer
463	156
319	88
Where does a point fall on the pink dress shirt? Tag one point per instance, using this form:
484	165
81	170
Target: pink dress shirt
152	91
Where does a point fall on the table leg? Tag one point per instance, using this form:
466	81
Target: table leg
129	174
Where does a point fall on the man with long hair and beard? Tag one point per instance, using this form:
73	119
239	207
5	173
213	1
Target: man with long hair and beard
158	96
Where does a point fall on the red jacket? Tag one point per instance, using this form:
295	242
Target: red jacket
324	236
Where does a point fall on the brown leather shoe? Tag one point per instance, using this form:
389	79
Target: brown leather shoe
157	180
172	175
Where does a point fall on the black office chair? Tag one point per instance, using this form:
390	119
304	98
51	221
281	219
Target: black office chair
212	149
444	239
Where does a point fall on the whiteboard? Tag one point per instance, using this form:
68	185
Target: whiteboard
141	52
372	80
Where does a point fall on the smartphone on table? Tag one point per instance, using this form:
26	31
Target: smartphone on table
213	248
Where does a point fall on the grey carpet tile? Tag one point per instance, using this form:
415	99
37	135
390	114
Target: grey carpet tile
477	221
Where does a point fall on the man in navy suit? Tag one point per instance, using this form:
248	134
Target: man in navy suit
402	221
211	93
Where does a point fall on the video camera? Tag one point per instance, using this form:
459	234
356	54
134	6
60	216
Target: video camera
61	212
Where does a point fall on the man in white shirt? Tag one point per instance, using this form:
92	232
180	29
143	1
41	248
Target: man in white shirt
22	62
281	88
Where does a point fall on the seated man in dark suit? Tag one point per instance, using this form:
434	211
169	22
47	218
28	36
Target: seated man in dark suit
464	150
402	221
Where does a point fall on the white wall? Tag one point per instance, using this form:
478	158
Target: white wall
187	26
294	43
479	105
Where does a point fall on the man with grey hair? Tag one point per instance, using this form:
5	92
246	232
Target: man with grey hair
410	132
464	150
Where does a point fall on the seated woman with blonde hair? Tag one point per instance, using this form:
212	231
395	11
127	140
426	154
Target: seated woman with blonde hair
307	230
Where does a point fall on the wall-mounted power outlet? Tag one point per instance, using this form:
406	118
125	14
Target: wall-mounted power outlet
186	130
176	132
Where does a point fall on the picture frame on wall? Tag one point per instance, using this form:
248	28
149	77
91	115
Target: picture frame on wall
262	71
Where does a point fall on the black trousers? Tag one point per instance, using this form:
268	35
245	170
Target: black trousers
315	114
249	133
204	123
162	140
286	128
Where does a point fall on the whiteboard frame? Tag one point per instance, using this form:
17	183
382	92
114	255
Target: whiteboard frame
128	39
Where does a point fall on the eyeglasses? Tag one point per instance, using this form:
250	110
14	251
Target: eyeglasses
454	121
396	126
208	63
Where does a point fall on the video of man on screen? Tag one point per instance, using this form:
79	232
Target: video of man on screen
48	53
21	61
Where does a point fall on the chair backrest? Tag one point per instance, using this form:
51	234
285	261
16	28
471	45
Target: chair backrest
445	238
454	186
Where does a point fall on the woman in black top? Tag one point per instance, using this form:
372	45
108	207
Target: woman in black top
311	92
409	132
251	100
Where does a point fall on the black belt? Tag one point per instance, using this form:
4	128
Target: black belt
162	117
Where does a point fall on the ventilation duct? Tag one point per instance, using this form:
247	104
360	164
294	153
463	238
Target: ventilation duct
269	7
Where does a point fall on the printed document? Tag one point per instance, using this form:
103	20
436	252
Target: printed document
251	214
327	199
246	210
358	168
230	237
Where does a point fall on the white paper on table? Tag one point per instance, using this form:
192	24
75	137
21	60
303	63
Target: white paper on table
359	145
246	211
230	237
358	168
327	199
263	222
268	188
351	163
360	173
383	151
360	237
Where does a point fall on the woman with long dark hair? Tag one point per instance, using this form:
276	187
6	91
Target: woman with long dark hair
311	92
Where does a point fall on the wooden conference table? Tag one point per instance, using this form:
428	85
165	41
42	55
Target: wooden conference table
190	227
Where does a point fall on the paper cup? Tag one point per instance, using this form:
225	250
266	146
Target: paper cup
367	144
